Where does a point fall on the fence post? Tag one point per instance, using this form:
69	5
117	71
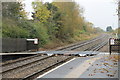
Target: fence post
110	49
110	46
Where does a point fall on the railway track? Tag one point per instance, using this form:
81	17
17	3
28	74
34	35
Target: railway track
34	75
15	65
18	60
31	67
78	45
24	70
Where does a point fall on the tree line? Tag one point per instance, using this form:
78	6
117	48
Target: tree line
56	21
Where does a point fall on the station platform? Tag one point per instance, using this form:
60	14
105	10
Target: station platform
74	53
19	53
70	53
102	65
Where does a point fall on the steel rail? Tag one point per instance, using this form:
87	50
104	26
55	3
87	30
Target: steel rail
3	72
72	47
18	60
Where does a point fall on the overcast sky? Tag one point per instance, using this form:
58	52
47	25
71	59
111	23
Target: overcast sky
101	13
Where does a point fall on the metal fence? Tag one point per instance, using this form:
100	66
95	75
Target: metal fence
114	45
17	45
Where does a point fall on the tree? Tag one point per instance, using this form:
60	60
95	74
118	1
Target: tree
13	10
54	21
41	12
109	29
72	20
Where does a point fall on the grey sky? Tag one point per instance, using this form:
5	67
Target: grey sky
101	13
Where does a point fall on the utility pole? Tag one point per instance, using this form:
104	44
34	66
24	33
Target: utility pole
119	13
118	18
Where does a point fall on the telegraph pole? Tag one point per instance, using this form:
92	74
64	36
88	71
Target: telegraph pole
118	18
119	13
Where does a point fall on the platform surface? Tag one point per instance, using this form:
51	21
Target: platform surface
99	66
74	53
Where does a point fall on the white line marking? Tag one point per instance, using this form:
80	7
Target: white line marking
55	68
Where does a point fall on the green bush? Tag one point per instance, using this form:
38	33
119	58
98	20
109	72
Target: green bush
41	33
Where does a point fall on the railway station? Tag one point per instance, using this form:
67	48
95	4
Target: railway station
65	62
59	40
